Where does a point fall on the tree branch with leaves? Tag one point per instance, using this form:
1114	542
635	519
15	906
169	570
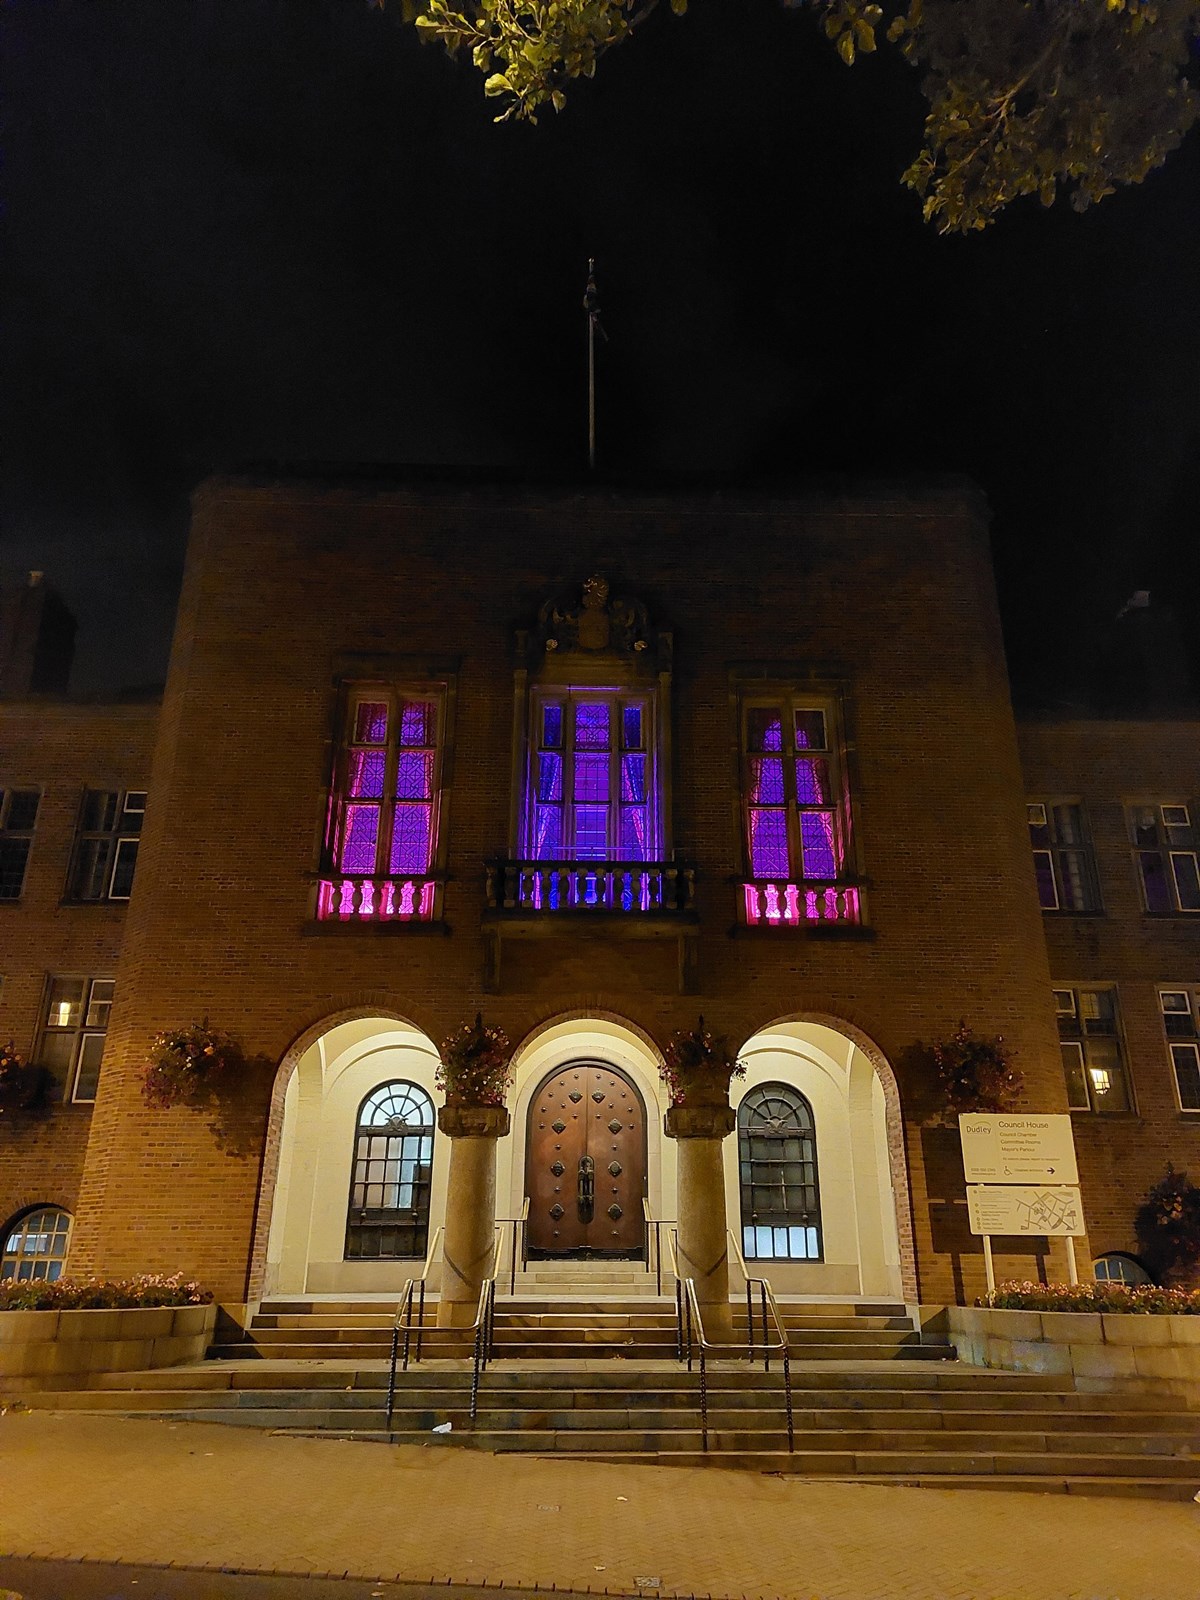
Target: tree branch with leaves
1025	97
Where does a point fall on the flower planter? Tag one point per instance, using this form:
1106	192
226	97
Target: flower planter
63	1349
1153	1353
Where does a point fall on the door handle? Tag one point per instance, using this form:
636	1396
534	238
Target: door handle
586	1188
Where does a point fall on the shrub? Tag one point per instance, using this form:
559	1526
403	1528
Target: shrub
475	1069
977	1074
1168	1228
1144	1299
95	1294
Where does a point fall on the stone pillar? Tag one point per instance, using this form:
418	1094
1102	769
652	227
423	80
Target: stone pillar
703	1236
470	1208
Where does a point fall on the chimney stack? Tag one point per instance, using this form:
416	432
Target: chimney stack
37	638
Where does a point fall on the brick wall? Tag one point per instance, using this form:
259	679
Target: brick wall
60	747
891	593
1107	766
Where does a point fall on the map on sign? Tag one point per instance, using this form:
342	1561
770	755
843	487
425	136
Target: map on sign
1011	1208
1003	1149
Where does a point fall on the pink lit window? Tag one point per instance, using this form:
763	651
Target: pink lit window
590	793
383	814
796	815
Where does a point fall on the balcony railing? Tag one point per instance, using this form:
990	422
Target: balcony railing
631	888
776	903
377	899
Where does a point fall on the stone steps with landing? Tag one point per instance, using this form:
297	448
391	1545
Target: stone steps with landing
886	1423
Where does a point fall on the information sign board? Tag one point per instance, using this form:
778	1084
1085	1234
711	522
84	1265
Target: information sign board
1046	1209
1009	1149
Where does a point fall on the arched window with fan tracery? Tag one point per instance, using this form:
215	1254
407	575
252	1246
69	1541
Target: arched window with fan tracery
777	1164
392	1171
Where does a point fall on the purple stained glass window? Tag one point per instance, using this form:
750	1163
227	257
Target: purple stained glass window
370	722
360	839
411	837
810	730
365	775
765	728
549	776
631	727
414	775
634	844
547	833
768	844
591	833
418	724
817	844
552	725
592	725
591	778
812	781
766	780
633	779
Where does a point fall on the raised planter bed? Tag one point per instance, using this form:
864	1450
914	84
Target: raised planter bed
60	1349
1159	1354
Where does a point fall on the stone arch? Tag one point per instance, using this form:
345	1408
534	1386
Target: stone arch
867	1067
302	1064
607	1036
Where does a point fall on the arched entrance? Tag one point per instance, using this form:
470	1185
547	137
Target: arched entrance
816	1183
585	1163
355	1176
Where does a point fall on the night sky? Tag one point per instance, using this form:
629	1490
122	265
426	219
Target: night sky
257	231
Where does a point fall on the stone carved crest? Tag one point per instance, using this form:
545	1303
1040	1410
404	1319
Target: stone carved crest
600	622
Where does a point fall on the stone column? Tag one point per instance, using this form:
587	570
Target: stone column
703	1239
470	1208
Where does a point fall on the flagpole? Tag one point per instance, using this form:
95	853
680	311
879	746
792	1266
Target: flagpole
589	302
591	305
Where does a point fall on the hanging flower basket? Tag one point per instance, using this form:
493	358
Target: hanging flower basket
977	1074
476	1067
187	1065
1167	1225
20	1084
698	1066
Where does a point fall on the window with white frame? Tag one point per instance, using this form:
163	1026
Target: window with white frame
1179	1014
382	832
1165	851
110	825
1117	1267
1091	1050
1062	857
33	1247
795	811
591	792
18	818
73	1032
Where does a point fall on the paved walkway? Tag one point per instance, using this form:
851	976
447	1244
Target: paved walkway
203	1495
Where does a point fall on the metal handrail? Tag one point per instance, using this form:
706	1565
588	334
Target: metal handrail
521	1222
414	1288
414	1295
485	1322
768	1308
658	1224
693	1344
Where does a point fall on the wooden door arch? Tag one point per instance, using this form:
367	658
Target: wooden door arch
585	1163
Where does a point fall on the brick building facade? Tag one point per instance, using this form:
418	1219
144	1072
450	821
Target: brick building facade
592	765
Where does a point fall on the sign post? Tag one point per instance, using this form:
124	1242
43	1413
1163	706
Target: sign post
1022	1177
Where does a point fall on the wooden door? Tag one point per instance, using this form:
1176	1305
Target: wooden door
585	1170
